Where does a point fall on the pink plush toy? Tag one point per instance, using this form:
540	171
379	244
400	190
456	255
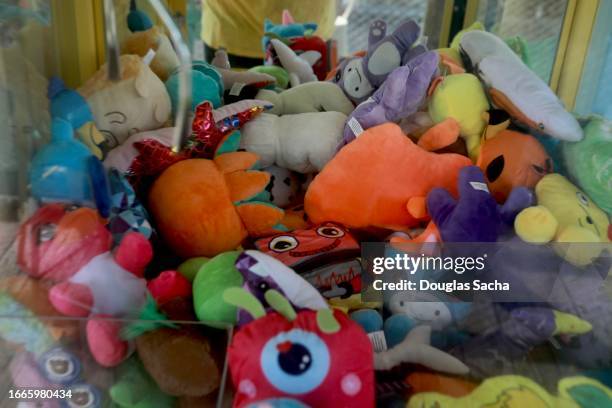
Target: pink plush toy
106	286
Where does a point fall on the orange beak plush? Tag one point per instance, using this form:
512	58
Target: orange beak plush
382	178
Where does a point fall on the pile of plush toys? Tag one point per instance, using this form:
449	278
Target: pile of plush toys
254	228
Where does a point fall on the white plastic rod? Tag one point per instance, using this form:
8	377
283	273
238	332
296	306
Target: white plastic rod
182	127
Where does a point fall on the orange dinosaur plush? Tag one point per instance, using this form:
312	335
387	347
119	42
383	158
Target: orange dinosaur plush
382	178
205	207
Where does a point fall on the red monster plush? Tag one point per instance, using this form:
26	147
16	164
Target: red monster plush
307	356
307	248
72	250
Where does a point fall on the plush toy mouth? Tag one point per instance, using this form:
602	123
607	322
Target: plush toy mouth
302	254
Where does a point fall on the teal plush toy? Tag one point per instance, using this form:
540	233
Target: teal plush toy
286	30
206	85
589	162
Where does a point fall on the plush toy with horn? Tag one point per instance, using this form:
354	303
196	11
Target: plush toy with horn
299	355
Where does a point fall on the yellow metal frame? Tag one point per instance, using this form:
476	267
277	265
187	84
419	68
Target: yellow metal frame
471	12
447	19
578	43
564	36
75	40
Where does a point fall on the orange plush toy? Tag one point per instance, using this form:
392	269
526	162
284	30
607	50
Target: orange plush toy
382	178
510	159
205	207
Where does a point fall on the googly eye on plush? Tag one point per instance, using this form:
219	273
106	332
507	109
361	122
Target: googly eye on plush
59	366
330	232
83	396
46	232
283	243
583	199
338	76
297	361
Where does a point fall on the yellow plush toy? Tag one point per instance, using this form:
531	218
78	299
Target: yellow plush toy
462	98
513	391
140	42
564	214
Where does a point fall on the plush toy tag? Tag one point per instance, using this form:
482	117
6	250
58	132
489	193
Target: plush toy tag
476	185
355	126
378	341
236	88
149	57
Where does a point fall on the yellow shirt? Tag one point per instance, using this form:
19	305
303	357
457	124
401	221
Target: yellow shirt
237	25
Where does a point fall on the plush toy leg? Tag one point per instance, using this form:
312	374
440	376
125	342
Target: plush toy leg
72	299
536	225
571	246
104	341
134	253
259	218
440	135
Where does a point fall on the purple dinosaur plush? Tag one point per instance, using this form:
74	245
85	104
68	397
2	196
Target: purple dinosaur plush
476	216
401	95
359	77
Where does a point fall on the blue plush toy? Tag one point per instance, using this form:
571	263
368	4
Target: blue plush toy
206	85
441	313
66	171
286	30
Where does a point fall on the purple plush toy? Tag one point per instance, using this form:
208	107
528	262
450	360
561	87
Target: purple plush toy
476	216
401	95
359	77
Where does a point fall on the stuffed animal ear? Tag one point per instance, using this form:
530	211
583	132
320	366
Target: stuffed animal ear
279	303
244	300
497	120
268	25
142	82
287	17
162	110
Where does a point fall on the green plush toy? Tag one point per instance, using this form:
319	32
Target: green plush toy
136	389
189	269
589	162
279	73
212	279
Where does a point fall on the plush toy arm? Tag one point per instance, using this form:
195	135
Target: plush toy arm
440	205
134	253
536	225
440	135
105	343
519	199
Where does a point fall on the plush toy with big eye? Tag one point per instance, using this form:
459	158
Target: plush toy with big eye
565	214
302	355
510	159
304	249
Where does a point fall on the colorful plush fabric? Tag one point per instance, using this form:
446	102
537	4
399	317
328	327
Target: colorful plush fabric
364	185
588	162
305	249
359	77
301	355
303	143
420	382
141	42
415	348
222	201
308	97
513	87
461	97
511	159
514	391
299	67
65	170
288	29
127	213
211	280
279	73
134	388
136	103
402	94
475	217
565	214
262	272
206	85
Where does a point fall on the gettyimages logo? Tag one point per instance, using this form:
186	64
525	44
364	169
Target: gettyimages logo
411	264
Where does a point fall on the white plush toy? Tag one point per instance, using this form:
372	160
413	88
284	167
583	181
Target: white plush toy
308	97
299	67
515	88
302	143
283	187
137	102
